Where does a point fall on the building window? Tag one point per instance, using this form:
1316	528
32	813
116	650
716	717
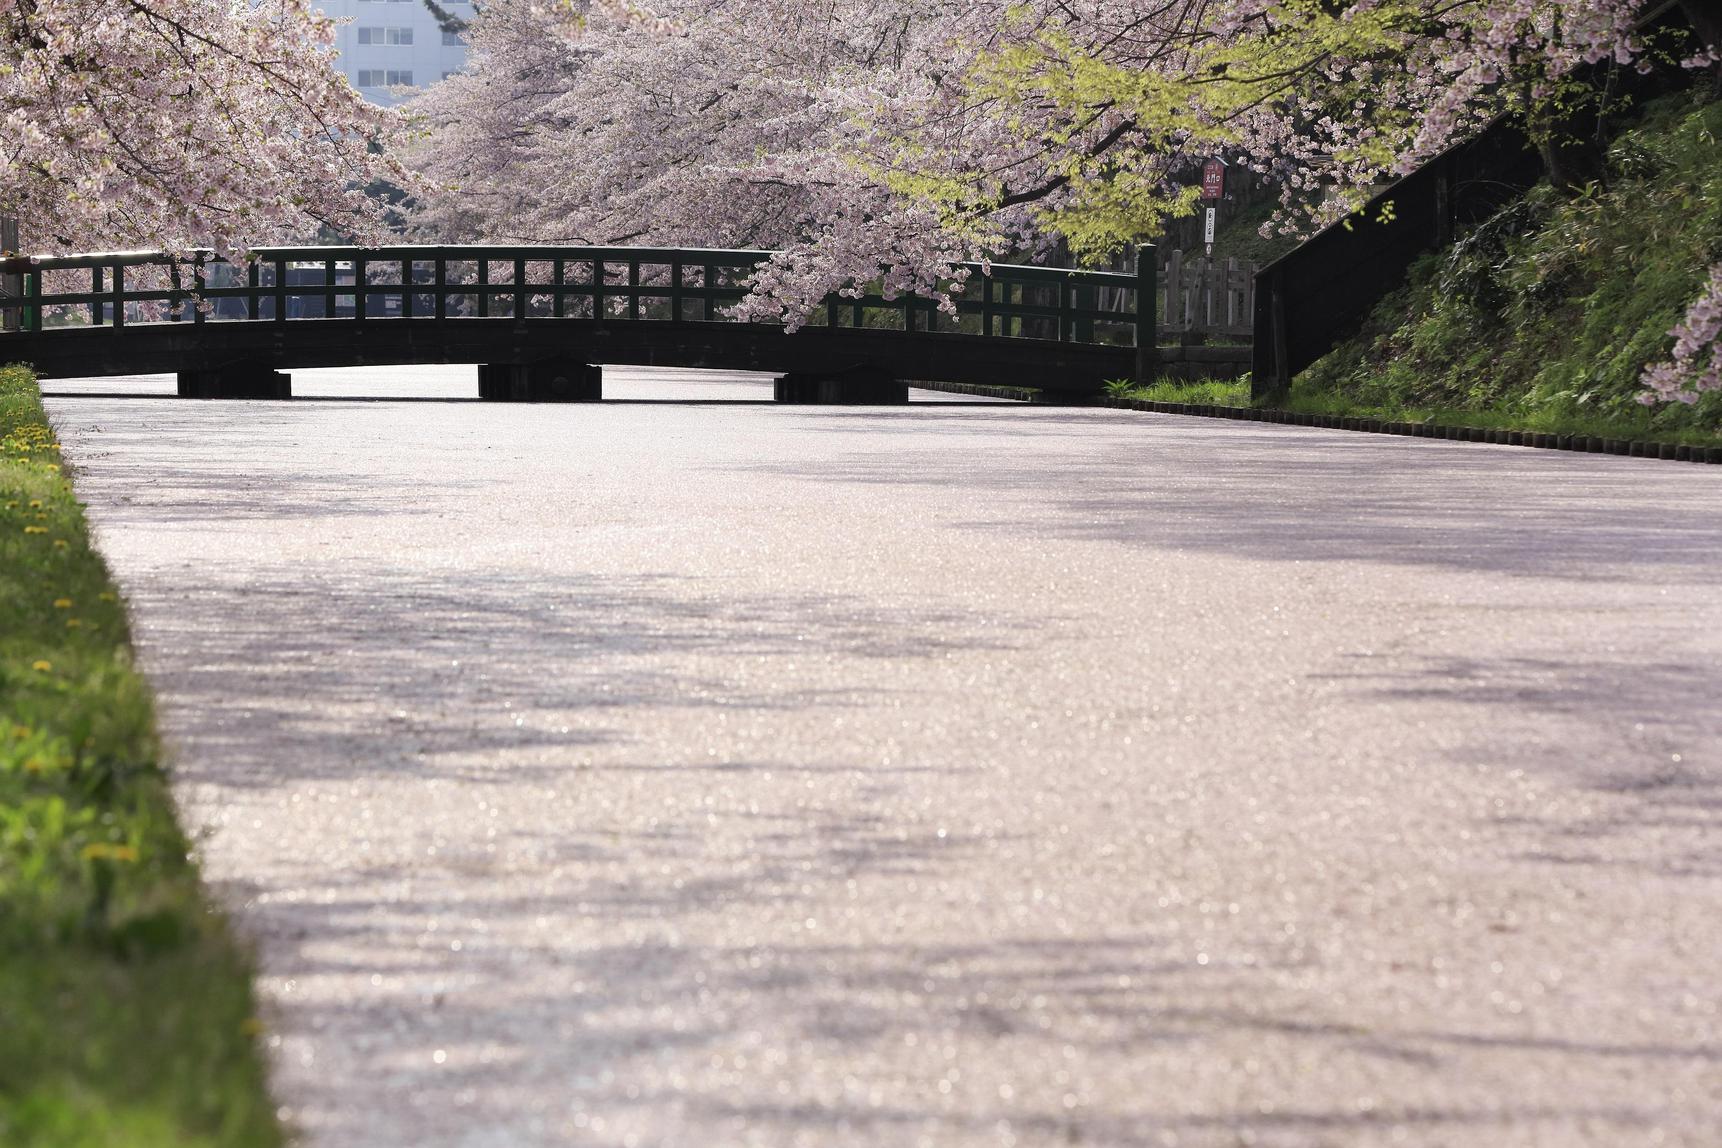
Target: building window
385	35
453	39
385	78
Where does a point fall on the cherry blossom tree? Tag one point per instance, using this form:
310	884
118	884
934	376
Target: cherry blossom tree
736	124
888	139
179	124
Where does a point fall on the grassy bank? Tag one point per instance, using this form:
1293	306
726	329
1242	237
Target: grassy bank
1632	423
1547	314
1544	317
126	1016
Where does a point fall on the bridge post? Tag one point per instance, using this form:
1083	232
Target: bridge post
11	284
1269	377
547	381
1147	314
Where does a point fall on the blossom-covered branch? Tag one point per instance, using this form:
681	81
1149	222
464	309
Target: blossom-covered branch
886	140
181	123
1696	365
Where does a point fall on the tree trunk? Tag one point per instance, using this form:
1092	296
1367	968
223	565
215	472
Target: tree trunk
1569	142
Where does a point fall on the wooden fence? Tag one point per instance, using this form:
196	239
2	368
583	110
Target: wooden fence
1200	299
1210	297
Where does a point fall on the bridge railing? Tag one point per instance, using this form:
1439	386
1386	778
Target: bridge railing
377	284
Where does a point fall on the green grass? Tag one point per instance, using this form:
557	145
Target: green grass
1545	316
1630	424
1211	392
126	1014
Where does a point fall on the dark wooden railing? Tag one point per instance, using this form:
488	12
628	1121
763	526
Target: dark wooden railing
369	284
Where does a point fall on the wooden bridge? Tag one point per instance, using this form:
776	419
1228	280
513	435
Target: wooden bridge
542	321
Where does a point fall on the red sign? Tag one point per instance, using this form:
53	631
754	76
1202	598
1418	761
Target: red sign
1213	180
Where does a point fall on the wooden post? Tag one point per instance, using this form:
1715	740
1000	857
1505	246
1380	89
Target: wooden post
11	283
198	283
33	301
1444	201
252	279
520	295
483	266
1268	357
361	275
95	289
119	295
1174	313
1066	332
1147	314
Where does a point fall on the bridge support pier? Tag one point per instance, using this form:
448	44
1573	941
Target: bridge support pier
548	381
236	382
856	385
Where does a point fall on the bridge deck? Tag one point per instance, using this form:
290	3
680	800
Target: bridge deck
123	313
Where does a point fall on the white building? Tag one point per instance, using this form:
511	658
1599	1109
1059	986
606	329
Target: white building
395	44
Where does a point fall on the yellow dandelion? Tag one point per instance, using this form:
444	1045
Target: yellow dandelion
60	544
108	596
103	851
74	623
35	504
43	666
35	530
62	603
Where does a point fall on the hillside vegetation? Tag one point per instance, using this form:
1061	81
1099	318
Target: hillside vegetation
1546	315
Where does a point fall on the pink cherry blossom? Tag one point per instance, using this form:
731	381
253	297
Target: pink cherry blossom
181	123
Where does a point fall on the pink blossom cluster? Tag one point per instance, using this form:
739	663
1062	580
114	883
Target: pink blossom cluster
181	123
1696	365
888	140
